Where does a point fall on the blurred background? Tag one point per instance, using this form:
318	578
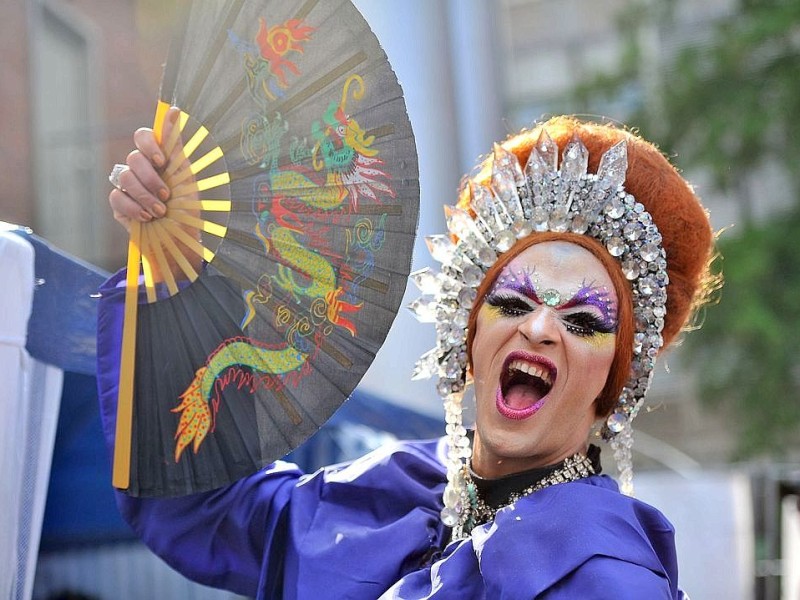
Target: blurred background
716	83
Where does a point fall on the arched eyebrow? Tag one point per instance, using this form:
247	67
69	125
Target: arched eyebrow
599	297
587	295
520	283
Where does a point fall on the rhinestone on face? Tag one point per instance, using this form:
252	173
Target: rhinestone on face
550	297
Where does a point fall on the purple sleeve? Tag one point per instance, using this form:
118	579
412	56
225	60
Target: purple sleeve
605	577
218	538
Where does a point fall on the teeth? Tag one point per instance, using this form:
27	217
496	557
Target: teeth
531	369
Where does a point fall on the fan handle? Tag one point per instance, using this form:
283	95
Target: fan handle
122	444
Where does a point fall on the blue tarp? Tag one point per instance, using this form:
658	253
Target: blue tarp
61	330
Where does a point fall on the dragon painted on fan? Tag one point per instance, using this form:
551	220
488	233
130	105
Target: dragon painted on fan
344	168
198	408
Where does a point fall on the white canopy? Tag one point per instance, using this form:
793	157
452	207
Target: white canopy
28	417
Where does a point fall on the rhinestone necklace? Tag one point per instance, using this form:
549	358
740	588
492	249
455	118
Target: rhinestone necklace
477	512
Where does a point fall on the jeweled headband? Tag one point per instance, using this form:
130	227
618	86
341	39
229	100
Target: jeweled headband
541	197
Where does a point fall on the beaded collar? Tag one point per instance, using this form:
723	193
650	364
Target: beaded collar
481	500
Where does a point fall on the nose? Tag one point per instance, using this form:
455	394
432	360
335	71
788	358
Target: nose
540	326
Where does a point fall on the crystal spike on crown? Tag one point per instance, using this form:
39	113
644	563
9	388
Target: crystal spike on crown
540	197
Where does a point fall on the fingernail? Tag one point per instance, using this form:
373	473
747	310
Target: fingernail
159	209
159	160
145	216
163	193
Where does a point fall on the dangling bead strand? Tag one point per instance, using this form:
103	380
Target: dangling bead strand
622	444
458	452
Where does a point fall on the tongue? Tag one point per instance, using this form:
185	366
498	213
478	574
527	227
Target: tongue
521	396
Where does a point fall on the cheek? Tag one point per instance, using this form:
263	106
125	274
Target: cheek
489	315
488	331
599	354
601	342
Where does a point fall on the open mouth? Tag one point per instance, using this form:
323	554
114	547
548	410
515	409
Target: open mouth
524	385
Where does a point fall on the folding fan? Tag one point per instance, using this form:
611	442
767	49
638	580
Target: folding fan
279	267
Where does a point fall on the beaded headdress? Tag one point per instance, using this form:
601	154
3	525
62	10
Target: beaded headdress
540	197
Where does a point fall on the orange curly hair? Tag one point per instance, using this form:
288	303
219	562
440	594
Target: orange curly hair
681	219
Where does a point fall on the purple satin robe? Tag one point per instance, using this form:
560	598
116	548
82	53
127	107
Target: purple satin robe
370	529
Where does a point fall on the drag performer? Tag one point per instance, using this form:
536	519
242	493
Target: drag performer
576	254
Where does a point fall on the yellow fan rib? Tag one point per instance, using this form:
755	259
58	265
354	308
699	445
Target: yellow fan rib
174	134
147	267
195	167
210	157
197	139
156	243
207	226
191	243
176	179
187	189
184	203
215	181
186	267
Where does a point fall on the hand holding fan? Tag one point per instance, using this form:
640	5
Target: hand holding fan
273	278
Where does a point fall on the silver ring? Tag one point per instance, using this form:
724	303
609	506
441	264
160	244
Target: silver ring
115	174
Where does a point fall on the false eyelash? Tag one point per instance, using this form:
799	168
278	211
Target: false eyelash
510	306
586	324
